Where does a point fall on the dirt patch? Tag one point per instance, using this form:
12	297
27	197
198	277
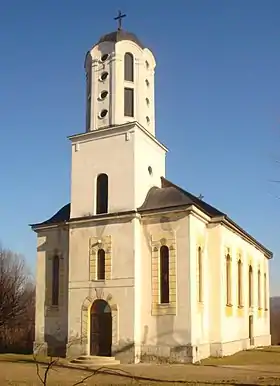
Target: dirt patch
25	374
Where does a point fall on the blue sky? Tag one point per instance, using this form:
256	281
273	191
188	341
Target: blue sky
217	101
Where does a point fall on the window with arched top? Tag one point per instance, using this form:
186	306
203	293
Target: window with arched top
102	194
264	292
55	280
128	67
250	286
240	283
101	264
228	279
200	277
164	274
259	289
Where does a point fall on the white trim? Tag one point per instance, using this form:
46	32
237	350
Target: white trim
114	130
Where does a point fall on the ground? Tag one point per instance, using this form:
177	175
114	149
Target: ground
261	366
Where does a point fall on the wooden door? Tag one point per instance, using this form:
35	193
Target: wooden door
94	332
101	334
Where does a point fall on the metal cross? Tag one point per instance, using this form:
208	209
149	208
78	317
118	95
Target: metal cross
119	18
200	196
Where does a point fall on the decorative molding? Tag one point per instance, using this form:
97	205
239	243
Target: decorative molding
85	317
157	240
96	243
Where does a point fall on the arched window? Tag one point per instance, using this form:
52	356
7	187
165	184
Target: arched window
101	264
128	67
55	280
164	274
102	194
259	289
228	279
250	286
240	283
264	292
200	277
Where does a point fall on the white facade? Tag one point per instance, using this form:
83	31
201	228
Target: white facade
207	311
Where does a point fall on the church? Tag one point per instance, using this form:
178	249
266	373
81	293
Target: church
136	268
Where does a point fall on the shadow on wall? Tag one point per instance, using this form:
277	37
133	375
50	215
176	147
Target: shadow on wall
162	349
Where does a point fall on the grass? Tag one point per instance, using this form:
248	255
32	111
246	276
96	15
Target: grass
20	369
260	356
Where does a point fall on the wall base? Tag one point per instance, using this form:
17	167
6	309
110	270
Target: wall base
40	348
220	349
264	340
74	350
177	354
125	353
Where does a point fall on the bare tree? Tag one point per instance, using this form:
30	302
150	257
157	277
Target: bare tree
17	303
16	290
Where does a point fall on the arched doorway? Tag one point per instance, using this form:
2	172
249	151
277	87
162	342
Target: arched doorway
100	328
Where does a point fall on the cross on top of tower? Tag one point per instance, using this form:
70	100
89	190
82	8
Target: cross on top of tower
119	19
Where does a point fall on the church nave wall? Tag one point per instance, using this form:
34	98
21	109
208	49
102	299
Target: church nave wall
245	291
166	320
52	290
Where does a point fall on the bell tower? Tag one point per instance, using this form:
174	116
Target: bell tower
119	81
118	158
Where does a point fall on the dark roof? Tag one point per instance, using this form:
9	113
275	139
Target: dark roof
120	35
62	215
171	195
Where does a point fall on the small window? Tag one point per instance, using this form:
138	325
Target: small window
264	292
103	94
228	279
147	101
128	67
102	194
103	113
104	57
250	286
101	264
240	281
147	83
164	274
150	170
148	119
55	280
259	289
147	64
200	277
129	102
104	75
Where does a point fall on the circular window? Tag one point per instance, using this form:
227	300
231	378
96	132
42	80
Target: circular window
150	170
148	119
104	57
103	94
147	64
147	101
147	82
104	75
103	113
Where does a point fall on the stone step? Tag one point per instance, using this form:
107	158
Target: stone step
91	361
96	358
